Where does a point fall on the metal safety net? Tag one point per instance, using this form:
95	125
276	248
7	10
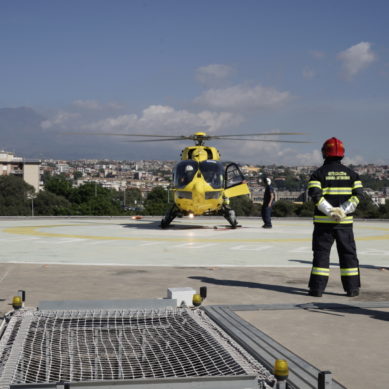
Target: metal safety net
75	346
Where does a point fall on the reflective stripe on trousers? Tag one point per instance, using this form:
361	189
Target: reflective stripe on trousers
320	271
354	271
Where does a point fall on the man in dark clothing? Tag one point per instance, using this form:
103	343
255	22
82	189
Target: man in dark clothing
268	200
336	191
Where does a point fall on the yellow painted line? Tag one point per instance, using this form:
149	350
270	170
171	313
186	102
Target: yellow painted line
35	231
372	228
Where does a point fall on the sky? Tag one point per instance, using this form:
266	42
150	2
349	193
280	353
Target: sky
175	67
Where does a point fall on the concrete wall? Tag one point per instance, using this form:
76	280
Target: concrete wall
31	175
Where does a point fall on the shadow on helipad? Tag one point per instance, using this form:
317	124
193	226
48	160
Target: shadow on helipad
337	264
257	285
156	225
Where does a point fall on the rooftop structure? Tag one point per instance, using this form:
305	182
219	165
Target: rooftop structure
29	170
107	344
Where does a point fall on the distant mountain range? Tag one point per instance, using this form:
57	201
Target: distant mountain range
21	133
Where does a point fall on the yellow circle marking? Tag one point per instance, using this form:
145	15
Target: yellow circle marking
34	230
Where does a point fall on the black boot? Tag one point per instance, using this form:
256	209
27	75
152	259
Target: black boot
315	293
353	293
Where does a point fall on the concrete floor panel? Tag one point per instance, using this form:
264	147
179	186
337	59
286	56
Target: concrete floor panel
117	258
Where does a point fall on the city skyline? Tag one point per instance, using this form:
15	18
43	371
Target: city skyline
177	67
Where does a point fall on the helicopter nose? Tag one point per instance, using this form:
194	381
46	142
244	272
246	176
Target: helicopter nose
198	190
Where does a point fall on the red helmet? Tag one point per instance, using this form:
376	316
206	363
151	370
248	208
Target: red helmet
333	147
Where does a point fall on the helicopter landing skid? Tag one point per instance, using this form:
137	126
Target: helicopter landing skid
169	217
230	216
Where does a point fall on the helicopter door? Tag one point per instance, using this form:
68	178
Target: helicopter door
235	182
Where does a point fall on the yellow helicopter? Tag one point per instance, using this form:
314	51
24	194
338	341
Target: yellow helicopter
202	185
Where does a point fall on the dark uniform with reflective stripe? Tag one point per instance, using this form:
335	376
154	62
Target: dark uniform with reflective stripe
335	183
266	209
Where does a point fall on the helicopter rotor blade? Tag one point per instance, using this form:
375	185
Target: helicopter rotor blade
270	140
194	137
244	139
153	140
257	134
119	134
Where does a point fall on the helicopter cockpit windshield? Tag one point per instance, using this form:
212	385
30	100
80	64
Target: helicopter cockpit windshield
184	173
211	170
213	173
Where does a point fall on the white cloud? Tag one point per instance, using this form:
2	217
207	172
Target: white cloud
160	118
265	152
219	120
308	73
356	58
314	158
111	124
213	72
355	160
243	97
60	120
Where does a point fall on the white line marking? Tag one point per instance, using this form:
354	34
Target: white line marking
96	242
149	244
303	249
251	248
64	241
373	252
4	276
20	239
191	245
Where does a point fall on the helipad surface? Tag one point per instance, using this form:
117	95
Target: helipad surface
121	258
198	242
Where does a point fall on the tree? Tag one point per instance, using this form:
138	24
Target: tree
306	209
86	192
383	210
14	196
59	185
373	182
367	209
77	175
98	206
283	208
156	202
93	199
243	206
50	204
132	198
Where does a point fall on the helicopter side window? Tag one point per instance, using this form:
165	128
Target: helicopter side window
184	173
233	175
212	172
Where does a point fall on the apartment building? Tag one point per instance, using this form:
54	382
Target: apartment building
29	170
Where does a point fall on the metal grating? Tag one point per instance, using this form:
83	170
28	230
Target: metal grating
98	345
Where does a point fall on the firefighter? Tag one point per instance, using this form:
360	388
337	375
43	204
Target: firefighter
336	191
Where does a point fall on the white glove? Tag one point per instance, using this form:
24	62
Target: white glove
337	214
324	206
350	206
